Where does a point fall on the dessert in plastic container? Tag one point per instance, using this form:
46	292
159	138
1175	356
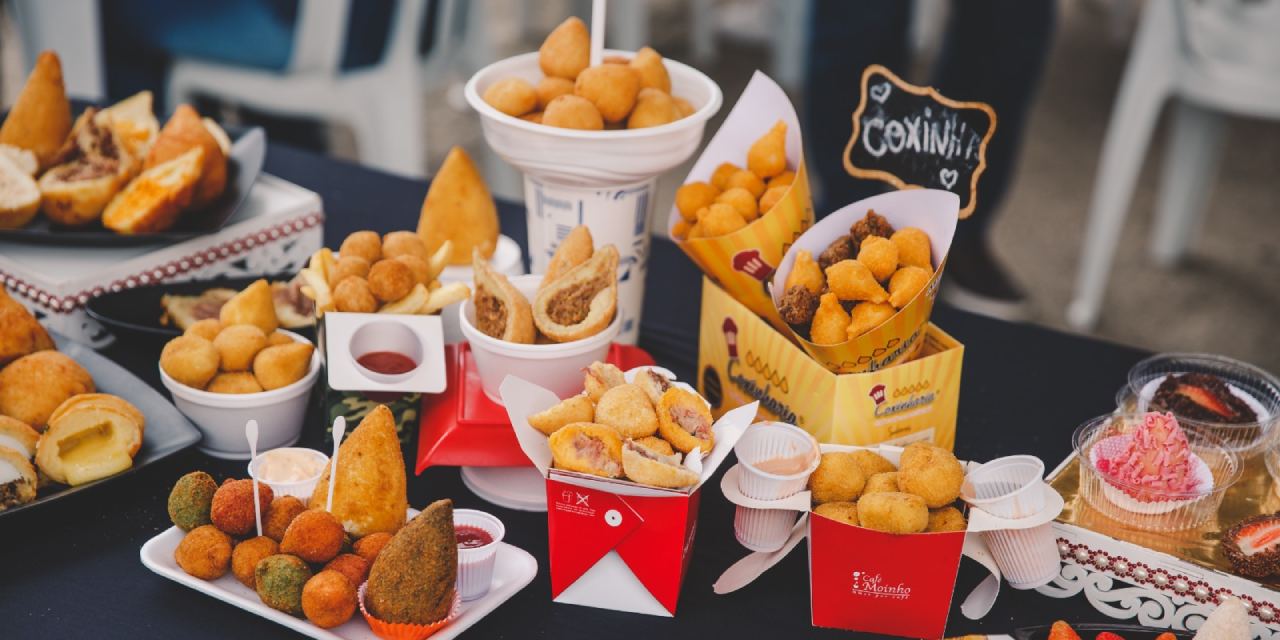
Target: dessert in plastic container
1249	414
1150	472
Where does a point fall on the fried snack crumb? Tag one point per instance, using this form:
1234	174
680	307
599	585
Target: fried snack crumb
798	306
839	250
873	224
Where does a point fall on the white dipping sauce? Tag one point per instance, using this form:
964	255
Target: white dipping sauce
290	465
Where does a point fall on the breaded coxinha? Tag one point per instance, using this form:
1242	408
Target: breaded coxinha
412	579
40	119
370	492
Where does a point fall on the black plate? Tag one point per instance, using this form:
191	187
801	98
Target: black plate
167	430
1088	631
136	312
248	151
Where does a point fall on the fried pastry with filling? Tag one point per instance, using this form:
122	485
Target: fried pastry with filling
601	377
626	408
653	384
89	439
581	303
575	249
502	312
587	447
575	409
19	436
18	479
647	466
685	421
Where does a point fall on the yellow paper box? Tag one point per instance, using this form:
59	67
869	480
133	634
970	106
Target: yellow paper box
932	210
742	262
742	359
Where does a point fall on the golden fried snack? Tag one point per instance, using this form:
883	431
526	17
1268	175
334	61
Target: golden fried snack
914	248
881	482
838	478
906	283
653	108
390	280
534	117
567	50
282	365
867	316
612	88
879	255
190	360
369	494
150	202
648	466
582	302
20	332
501	311
720	219
893	512
587	447
575	249
720	177
512	96
183	132
237	345
411	302
852	280
805	272
255	305
276	337
328	599
946	519
767	156
414	578
40	119
348	266
601	377
570	410
685	421
353	295
872	224
573	112
741	200
33	386
420	269
656	444
783	179
209	328
933	473
653	384
872	463
366	244
549	88
747	180
458	210
18	436
830	322
400	243
627	408
247	554
693	196
205	552
771	197
653	73
234	382
106	425
685	107
846	512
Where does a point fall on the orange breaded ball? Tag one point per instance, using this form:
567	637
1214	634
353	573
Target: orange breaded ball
328	599
371	545
205	552
612	88
354	567
207	328
806	273
830	323
721	219
550	88
512	96
852	280
653	109
354	295
693	196
418	267
914	248
314	535
653	73
190	360
741	200
232	506
747	180
867	316
880	255
906	283
366	244
348	266
771	197
390	280
403	243
283	510
720	177
238	344
567	49
767	156
573	112
247	554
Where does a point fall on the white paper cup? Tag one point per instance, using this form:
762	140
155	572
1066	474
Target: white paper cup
768	529
1028	558
1008	487
508	259
557	367
475	565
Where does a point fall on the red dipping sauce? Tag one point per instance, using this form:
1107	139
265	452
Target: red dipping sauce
387	362
471	537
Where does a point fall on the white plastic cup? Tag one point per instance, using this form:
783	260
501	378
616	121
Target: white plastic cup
1009	487
1028	558
301	489
768	529
475	565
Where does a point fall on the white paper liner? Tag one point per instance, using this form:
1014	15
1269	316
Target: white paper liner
1109	447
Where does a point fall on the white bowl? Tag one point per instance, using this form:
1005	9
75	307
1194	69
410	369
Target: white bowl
221	416
558	367
593	158
300	489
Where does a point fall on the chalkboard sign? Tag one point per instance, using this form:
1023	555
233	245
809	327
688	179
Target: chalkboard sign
913	136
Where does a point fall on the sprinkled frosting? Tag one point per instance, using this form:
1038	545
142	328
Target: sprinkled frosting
1156	463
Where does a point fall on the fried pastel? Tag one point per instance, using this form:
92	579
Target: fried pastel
806	272
653	384
906	283
767	156
582	302
867	316
575	249
587	447
830	322
914	247
846	512
601	377
575	409
838	478
501	311
627	408
685	421
893	512
651	467
657	445
852	280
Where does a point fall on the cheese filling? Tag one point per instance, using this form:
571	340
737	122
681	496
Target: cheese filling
91	454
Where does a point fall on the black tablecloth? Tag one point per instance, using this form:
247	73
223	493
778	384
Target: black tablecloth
71	568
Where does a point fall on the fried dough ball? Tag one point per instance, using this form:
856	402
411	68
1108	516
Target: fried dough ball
601	377
314	535
354	295
771	197
283	510
767	156
205	552
933	473
879	255
741	200
189	500
612	88
418	267
872	463
830	322
512	96
246	556
207	329
390	280
846	512
946	519
573	112
720	177
403	243
279	581
627	408
232	506
656	444
328	599
33	386
838	478
867	316
685	107
549	88
906	283
893	512
784	179
348	266
852	280
190	360
839	250
914	248
693	196
371	545
653	73
721	219
237	345
747	180
872	224
798	305
354	567
282	365
234	382
366	244
653	109
881	482
576	409
806	273
567	49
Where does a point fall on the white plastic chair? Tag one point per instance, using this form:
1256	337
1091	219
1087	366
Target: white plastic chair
73	29
384	104
1215	58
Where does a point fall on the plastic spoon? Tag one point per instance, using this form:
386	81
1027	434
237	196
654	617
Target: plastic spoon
597	32
251	434
339	429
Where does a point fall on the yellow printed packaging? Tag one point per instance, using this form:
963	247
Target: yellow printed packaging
742	359
933	211
743	262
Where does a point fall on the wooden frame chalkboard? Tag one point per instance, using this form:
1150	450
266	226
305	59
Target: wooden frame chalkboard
940	143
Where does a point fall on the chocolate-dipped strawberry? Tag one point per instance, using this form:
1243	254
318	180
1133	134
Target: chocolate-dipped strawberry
1253	546
1200	396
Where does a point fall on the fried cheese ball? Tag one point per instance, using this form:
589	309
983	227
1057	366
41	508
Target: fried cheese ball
328	599
627	408
612	88
867	316
653	73
348	266
246	556
852	280
366	244
721	219
35	385
740	199
390	280
371	545
771	197
576	409
720	177
205	552
232	507
512	96
946	519
838	478
881	482
846	512
549	88
767	156
314	535
806	273
653	108
893	512
784	179
914	248
906	283
234	382
879	255
276	520
207	328
573	112
403	243
567	49
830	322
747	180
693	196
191	360
933	473
355	296
282	365
237	345
872	463
418	267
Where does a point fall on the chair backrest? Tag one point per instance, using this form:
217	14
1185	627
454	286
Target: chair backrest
319	36
1243	35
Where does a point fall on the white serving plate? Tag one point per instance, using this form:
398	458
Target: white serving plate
512	571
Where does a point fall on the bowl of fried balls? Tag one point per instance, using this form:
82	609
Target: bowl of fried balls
865	489
629	118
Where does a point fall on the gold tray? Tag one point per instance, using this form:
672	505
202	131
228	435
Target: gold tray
1253	494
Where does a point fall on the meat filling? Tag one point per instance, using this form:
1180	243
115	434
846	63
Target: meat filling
491	314
692	421
10	493
593	451
90	153
650	454
87	168
570	305
659	380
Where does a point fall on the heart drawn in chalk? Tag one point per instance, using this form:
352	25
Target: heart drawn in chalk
880	92
948	177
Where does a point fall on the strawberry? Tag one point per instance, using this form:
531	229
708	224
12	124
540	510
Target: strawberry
1107	635
1062	631
1202	397
1166	636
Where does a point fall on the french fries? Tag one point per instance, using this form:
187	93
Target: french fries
423	299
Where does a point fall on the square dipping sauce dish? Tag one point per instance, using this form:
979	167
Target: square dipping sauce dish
384	352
